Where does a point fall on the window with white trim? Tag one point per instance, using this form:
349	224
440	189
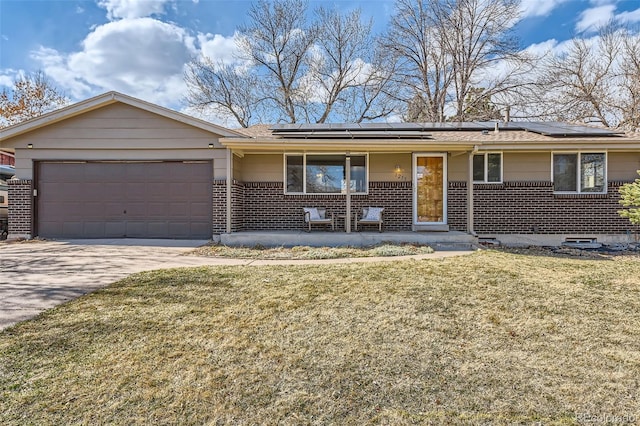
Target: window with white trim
487	167
324	173
582	172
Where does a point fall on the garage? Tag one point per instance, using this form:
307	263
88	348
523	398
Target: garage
124	199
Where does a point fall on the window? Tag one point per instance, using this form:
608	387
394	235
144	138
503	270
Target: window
579	172
324	173
487	168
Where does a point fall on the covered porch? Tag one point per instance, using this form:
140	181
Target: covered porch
424	186
452	240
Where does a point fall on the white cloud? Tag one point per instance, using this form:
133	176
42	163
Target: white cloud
132	8
8	76
142	57
228	121
591	19
218	48
531	8
551	46
54	65
629	17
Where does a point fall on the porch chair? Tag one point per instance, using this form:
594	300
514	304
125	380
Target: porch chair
370	216
317	216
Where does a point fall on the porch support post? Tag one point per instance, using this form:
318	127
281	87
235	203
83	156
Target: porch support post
229	187
347	217
470	229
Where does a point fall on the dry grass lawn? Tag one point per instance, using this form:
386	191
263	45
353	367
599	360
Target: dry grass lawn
306	252
490	338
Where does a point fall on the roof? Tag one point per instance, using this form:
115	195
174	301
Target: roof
424	130
108	99
394	137
256	131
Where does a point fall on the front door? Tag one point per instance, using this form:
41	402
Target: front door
430	189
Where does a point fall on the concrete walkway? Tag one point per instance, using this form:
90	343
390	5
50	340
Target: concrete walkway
37	275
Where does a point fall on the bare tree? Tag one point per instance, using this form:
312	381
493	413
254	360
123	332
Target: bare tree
630	82
597	77
277	41
577	84
423	72
224	89
291	69
479	107
445	48
373	97
266	75
479	37
32	95
345	69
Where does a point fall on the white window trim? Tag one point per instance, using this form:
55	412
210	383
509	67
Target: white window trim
486	167
579	171
304	172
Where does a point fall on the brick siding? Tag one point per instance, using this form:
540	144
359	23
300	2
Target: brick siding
20	197
237	201
7	160
219	198
457	206
267	207
511	207
533	208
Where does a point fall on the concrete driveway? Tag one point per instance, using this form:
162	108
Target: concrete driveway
37	275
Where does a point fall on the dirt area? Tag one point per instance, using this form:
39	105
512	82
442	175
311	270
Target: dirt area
605	252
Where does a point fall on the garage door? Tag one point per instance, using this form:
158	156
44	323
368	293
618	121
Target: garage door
124	199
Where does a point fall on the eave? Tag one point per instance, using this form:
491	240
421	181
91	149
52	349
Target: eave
341	145
619	144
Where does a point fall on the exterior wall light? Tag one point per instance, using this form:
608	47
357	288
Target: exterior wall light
210	145
398	172
30	146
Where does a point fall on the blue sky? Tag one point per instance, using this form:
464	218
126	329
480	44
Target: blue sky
140	47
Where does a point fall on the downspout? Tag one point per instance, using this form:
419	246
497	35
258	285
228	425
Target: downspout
229	187
470	227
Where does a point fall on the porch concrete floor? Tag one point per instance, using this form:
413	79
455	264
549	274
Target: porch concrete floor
452	240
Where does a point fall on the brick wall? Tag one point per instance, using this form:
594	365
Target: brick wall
532	207
457	206
511	207
266	207
20	197
7	160
237	201
219	195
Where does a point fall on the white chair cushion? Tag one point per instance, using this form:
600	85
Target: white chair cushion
373	214
313	213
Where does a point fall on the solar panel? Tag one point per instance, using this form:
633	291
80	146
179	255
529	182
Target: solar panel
405	126
355	134
554	128
413	130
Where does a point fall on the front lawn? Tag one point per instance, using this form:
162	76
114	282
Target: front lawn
492	337
311	253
